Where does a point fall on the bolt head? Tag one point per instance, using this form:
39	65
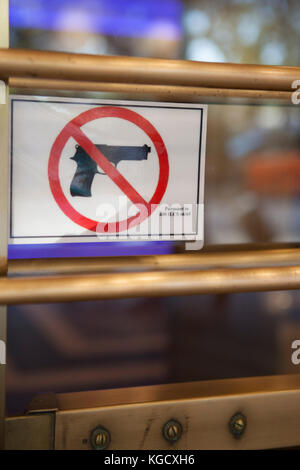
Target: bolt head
237	425
172	430
100	438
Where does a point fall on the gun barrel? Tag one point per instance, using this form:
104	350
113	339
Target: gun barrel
116	153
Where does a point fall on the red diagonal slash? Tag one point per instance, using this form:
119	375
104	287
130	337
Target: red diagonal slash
73	129
106	165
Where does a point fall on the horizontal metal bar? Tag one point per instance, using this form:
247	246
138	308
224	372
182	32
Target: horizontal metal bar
195	261
146	284
120	69
159	92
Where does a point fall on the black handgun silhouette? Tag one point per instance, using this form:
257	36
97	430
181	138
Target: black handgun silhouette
87	167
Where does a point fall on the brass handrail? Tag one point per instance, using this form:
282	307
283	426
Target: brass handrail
146	284
186	94
138	70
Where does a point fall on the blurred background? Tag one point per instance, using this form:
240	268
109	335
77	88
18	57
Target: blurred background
252	196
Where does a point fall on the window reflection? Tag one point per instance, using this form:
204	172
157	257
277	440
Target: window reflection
252	177
251	196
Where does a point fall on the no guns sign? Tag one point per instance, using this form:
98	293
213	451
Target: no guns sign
88	170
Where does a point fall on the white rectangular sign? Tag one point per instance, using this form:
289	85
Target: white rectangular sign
99	170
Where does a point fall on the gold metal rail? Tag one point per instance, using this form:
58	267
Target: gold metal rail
172	80
146	284
159	92
139	70
172	262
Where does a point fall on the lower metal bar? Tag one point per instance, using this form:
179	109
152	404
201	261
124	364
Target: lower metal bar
160	92
146	284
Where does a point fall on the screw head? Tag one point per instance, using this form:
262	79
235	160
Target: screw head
100	438
237	425
172	430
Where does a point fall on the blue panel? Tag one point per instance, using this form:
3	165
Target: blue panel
133	18
69	250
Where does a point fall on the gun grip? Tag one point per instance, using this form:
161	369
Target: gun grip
81	183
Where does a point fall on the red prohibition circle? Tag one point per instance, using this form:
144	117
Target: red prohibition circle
72	129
